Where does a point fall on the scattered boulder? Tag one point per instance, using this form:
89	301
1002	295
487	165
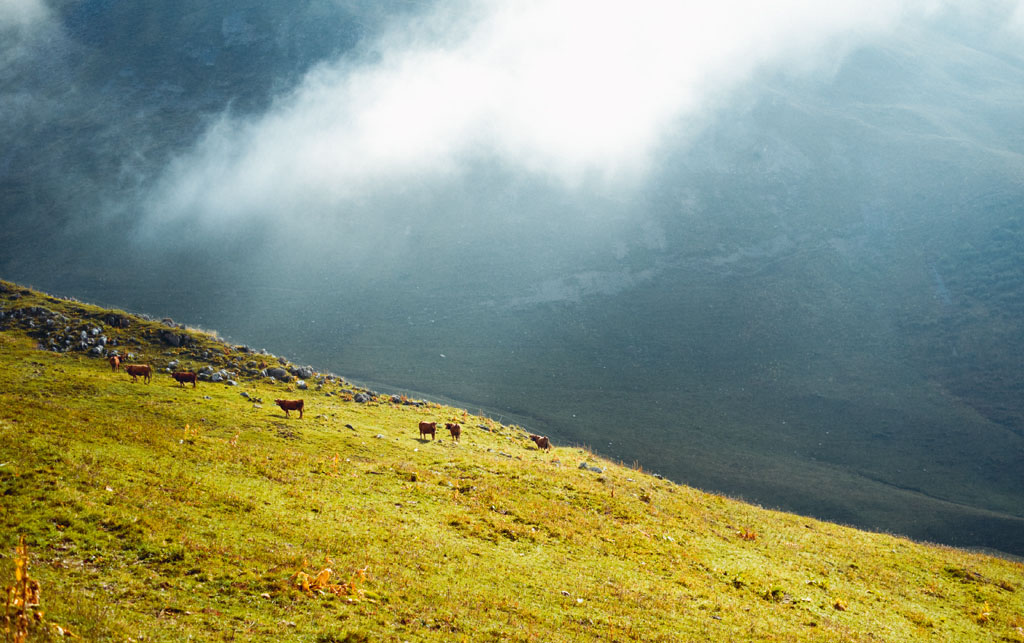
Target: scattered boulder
278	373
362	398
176	340
303	372
117	321
591	467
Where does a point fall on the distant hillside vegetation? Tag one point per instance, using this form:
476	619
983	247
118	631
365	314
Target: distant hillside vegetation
157	512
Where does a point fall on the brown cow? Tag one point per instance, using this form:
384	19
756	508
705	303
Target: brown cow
185	376
290	405
541	441
428	428
454	429
115	362
139	370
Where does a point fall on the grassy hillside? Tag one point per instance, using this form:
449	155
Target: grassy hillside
160	513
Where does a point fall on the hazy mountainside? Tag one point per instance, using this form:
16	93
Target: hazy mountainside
97	100
815	305
802	301
153	511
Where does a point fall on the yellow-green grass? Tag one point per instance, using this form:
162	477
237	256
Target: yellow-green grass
159	513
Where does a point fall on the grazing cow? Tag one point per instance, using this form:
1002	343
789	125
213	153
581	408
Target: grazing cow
185	376
541	441
115	362
139	370
290	405
454	429
428	428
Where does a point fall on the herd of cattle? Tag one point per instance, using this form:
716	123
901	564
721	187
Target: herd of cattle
182	377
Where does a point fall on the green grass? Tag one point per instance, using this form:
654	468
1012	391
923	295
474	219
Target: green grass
160	513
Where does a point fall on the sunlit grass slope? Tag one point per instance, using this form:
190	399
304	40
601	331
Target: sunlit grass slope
160	513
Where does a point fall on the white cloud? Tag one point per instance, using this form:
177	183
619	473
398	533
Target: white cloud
1016	22
575	91
22	13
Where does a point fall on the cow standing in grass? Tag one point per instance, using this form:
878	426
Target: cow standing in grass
428	428
541	441
291	405
139	370
115	362
185	376
454	429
